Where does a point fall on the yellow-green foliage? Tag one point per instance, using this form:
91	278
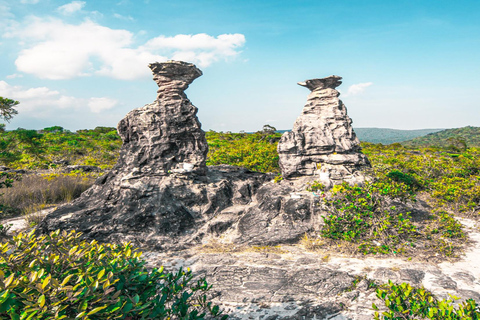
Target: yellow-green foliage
255	151
31	149
406	302
60	276
452	179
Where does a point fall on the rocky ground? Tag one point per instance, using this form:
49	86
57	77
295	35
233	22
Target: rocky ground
289	282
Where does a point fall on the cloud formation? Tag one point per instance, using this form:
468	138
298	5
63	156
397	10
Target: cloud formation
58	50
358	88
97	105
42	101
70	8
29	1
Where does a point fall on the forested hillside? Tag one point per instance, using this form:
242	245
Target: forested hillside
458	139
388	136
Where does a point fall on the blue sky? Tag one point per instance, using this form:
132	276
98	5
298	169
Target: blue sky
82	64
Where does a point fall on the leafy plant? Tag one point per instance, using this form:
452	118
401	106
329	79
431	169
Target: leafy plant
60	276
363	215
315	186
405	302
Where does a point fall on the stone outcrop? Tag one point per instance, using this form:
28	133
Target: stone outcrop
322	141
165	135
161	194
160	188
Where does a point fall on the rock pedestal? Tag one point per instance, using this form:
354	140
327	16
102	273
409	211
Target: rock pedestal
322	141
160	193
165	136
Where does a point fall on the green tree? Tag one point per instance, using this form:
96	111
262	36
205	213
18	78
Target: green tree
6	108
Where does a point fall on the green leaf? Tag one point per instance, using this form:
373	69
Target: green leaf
96	310
41	301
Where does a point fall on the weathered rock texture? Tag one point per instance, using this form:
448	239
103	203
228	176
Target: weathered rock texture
161	194
165	135
322	141
290	283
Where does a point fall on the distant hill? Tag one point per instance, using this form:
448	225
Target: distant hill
388	136
449	137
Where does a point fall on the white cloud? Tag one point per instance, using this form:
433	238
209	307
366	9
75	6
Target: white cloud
127	18
97	105
72	7
29	1
358	88
42	101
6	18
58	50
15	75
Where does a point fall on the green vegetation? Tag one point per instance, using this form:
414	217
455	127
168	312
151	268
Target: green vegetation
366	219
254	151
60	276
44	149
406	302
458	139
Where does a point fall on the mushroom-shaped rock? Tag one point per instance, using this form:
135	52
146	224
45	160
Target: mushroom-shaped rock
322	141
165	136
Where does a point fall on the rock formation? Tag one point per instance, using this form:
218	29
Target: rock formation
161	194
165	135
322	141
160	188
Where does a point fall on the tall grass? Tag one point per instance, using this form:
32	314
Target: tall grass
36	192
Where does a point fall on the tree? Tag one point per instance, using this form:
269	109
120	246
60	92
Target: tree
6	108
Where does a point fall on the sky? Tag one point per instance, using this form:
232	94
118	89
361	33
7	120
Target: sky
82	64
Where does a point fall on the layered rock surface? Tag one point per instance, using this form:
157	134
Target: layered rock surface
322	141
165	135
290	283
160	193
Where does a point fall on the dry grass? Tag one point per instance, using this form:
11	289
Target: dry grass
36	192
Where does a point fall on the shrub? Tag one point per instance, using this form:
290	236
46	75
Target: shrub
60	276
363	215
405	302
256	151
405	178
374	219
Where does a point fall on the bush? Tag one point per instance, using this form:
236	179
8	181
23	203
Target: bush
255	151
60	276
405	302
367	219
363	215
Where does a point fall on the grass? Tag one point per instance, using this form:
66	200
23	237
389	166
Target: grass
36	192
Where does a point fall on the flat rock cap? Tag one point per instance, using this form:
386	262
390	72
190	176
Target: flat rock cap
175	70
322	83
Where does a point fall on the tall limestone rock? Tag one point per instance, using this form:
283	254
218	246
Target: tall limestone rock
160	193
322	141
165	136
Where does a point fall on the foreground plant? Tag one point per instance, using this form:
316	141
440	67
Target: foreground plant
405	302
60	276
